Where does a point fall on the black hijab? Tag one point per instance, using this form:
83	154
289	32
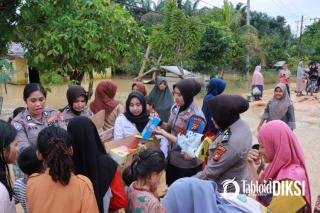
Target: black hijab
142	119
90	158
73	93
225	109
189	88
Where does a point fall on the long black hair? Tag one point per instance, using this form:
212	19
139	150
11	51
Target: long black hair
32	87
54	145
7	135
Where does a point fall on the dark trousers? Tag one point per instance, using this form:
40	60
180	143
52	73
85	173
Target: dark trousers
288	89
173	173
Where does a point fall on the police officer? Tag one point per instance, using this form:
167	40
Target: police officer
77	102
35	117
227	154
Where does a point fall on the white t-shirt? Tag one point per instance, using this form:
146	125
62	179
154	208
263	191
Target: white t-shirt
6	205
124	128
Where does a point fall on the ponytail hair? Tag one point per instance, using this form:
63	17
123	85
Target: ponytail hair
146	162
54	145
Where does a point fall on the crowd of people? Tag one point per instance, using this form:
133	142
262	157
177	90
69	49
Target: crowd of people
61	164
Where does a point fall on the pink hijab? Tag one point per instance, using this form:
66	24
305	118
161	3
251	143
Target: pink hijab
257	78
286	155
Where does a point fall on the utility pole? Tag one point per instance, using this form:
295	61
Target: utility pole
301	26
248	23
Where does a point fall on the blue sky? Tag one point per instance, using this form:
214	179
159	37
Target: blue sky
292	10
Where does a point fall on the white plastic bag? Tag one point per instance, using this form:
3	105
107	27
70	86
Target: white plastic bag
256	91
189	143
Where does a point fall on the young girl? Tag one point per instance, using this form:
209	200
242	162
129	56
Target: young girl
146	170
58	189
8	154
280	107
151	109
280	148
77	102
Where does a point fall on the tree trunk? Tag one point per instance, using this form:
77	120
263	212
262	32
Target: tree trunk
76	76
145	59
90	87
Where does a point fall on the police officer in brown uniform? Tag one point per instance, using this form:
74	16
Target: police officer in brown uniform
227	154
35	117
77	102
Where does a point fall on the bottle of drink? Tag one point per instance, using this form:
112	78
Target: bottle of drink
151	125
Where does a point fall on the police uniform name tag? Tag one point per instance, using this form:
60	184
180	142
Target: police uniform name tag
218	152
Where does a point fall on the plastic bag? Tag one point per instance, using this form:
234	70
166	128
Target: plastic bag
256	91
189	143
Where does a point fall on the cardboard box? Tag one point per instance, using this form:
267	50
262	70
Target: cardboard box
134	145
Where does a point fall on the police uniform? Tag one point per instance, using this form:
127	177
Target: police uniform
28	128
228	156
68	114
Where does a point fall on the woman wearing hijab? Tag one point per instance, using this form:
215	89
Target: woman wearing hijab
280	107
227	154
104	100
161	97
91	160
215	87
280	148
134	119
181	165
192	195
257	82
301	75
139	86
77	102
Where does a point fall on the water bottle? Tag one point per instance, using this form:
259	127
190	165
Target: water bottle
151	125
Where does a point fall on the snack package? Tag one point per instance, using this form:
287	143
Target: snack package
151	125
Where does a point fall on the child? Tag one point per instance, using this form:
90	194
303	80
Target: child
29	164
8	154
146	169
151	109
58	189
280	107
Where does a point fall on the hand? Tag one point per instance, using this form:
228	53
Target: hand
187	157
159	131
253	156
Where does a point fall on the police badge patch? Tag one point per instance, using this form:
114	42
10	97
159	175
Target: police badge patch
17	126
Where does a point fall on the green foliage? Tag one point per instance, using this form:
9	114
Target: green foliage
8	18
214	47
5	70
177	38
65	36
273	49
311	41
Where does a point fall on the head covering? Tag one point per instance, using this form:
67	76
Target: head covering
286	155
104	97
188	195
162	100
278	108
140	87
90	158
141	120
189	88
73	93
225	109
257	77
215	87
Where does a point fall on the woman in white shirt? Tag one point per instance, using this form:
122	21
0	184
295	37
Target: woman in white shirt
8	154
134	119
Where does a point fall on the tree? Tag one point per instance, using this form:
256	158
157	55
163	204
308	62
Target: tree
215	45
75	37
311	41
8	18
